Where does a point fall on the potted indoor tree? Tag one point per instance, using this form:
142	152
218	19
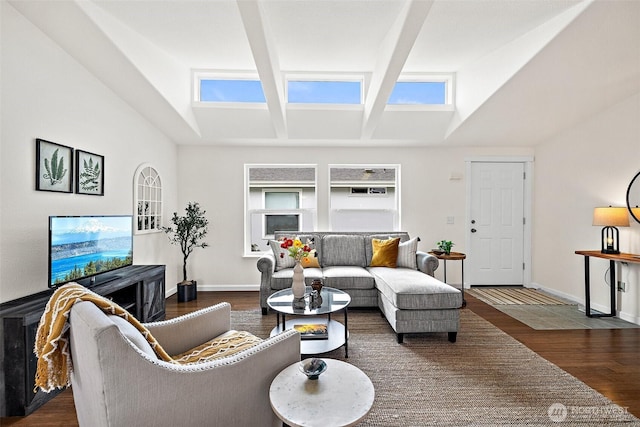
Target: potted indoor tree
188	231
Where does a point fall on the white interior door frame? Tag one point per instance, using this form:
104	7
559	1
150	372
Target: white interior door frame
527	161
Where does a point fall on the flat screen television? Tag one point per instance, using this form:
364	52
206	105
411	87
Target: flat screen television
86	246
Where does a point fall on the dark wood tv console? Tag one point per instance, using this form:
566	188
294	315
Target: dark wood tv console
138	288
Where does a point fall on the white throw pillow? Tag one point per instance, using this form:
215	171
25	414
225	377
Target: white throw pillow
284	260
407	254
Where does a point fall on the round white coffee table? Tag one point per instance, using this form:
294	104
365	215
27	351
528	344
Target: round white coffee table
341	396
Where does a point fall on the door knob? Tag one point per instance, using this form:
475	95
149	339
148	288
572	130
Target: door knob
473	230
473	221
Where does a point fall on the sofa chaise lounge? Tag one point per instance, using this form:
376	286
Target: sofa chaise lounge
409	296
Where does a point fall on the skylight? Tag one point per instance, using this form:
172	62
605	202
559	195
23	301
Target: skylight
419	93
227	90
324	92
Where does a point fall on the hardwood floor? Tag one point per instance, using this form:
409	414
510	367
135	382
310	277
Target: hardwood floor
605	359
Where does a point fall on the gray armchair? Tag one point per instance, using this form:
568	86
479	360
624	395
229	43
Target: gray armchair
116	381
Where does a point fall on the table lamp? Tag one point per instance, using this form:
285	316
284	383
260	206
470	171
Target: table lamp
610	218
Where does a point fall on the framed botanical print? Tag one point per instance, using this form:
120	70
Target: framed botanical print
54	167
89	173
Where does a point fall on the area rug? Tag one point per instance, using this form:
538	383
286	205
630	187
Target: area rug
486	378
542	311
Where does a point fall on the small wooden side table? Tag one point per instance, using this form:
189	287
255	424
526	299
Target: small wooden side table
453	256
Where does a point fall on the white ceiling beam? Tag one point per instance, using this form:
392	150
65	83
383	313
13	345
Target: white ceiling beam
393	54
265	56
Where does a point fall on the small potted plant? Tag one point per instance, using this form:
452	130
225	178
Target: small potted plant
187	232
445	246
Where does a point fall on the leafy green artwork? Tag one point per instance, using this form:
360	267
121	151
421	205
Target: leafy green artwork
90	175
55	169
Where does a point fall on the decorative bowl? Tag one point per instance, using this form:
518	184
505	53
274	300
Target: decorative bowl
437	251
313	367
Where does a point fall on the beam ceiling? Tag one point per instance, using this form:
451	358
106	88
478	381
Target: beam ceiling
522	67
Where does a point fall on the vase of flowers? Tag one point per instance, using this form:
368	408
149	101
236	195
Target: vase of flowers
297	250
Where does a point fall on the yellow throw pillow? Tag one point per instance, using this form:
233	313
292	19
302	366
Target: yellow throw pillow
385	252
310	261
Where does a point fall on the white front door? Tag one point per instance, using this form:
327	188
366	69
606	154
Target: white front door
496	224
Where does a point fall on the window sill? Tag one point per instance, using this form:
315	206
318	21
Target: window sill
254	254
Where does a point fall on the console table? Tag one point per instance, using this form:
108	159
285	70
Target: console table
140	289
622	257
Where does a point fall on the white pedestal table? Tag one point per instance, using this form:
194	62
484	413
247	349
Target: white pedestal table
341	396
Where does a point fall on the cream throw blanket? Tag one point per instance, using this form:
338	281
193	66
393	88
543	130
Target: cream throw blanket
52	338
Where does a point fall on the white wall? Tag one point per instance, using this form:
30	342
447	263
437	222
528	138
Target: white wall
47	94
213	176
588	166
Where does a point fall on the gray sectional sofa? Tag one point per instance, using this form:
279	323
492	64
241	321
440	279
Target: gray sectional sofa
409	296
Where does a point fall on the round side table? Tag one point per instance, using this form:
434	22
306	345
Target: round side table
341	396
453	256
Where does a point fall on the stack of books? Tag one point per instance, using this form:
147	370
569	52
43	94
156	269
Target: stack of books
312	331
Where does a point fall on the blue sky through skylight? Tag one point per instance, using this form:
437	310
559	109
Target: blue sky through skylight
321	92
419	93
231	91
324	92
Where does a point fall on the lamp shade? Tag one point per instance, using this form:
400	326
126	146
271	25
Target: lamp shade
610	216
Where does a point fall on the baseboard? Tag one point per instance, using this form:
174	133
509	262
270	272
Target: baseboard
557	293
217	288
629	317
